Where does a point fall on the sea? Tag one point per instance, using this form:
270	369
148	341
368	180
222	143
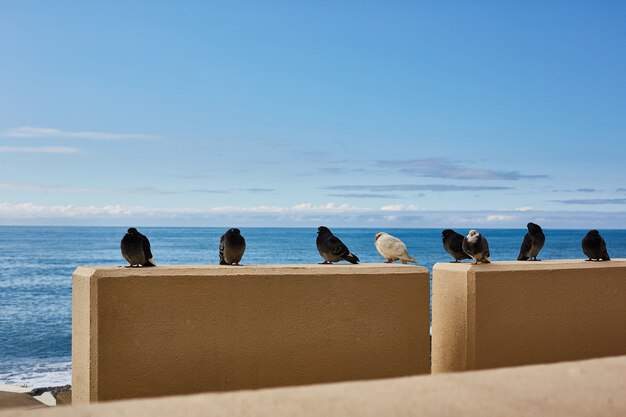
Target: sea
36	265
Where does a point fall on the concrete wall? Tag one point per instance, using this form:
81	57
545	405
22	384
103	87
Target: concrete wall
184	329
588	388
517	313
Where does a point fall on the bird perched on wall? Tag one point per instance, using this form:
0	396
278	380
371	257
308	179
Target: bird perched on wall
476	246
331	248
453	244
392	248
594	246
232	247
532	244
136	249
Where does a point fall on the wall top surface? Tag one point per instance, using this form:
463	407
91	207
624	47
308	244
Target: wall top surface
505	266
249	270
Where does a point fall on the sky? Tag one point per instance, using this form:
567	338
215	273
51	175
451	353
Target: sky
353	114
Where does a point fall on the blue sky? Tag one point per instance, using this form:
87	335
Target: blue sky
381	114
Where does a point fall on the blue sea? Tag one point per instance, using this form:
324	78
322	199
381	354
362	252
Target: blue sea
36	265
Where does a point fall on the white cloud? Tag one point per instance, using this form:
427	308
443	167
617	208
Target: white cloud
296	209
476	218
30	210
400	207
524	209
330	208
394	212
300	215
258	209
69	210
499	217
39	149
45	132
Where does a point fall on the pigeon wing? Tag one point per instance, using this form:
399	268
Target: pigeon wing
125	244
465	245
146	247
146	251
585	246
337	247
604	252
222	239
396	248
456	244
486	255
527	244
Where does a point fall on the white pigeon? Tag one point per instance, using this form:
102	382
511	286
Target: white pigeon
392	248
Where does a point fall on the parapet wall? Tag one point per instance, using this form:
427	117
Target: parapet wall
583	389
517	313
141	332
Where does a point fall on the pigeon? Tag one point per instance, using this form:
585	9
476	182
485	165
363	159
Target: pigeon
532	244
453	244
232	247
392	248
594	246
476	246
331	248
136	249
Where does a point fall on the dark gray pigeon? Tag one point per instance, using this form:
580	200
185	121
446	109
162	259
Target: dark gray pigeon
532	244
476	246
453	244
331	248
136	249
594	246
232	247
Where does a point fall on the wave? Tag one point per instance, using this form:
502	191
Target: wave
36	373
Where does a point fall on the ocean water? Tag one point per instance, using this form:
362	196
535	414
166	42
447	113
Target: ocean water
36	265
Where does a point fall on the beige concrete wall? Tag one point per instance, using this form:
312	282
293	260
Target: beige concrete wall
575	389
183	329
84	348
518	313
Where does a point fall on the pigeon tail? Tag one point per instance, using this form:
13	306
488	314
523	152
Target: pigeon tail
408	258
150	262
351	258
